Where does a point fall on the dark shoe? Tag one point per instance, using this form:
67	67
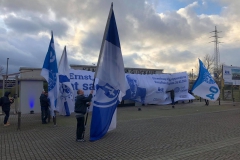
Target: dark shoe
172	106
139	109
80	140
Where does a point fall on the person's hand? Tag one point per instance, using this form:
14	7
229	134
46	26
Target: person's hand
11	100
91	92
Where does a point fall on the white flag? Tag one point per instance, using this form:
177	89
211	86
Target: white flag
65	102
205	86
111	84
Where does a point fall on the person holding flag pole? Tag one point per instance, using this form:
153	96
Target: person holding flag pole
111	82
50	73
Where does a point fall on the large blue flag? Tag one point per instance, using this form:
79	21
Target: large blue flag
50	73
111	85
205	86
65	101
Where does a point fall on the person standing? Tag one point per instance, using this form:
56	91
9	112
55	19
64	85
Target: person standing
6	103
190	92
81	105
206	102
172	95
44	101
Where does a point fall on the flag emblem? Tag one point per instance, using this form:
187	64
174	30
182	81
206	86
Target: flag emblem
65	91
208	78
52	80
109	91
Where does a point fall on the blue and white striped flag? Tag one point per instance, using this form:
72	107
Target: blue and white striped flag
50	73
205	86
65	101
111	84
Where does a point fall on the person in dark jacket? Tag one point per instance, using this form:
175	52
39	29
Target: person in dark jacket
44	101
206	102
172	95
81	105
6	103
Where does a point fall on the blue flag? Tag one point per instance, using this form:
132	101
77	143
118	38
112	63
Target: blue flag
50	73
65	101
205	86
111	84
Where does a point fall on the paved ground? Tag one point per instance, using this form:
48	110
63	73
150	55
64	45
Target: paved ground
188	132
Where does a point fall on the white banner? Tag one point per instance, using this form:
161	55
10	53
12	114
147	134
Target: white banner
152	89
147	89
231	75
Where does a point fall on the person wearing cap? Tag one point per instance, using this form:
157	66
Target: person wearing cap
6	103
80	110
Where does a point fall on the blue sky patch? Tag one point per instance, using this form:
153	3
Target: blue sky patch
208	7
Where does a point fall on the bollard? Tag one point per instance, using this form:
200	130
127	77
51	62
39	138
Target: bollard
19	121
49	115
55	119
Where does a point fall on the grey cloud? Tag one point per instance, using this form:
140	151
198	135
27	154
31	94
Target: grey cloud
92	44
30	52
23	5
142	31
230	56
173	56
129	60
2	31
35	25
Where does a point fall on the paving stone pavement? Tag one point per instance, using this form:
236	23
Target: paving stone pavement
191	131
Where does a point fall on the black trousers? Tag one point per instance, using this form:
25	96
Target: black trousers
44	114
80	127
6	117
173	102
206	102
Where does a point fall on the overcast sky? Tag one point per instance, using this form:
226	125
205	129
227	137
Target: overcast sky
156	34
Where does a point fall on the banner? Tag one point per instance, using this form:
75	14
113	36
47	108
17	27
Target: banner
231	75
150	89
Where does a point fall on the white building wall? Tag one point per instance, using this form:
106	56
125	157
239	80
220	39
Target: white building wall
30	92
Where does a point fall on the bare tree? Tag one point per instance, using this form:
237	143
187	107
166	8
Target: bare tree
208	62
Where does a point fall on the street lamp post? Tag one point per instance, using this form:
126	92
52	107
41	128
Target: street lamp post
7	68
5	78
192	74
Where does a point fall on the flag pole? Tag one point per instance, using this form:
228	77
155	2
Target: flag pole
100	55
104	38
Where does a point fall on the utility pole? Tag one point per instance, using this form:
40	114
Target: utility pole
216	52
5	78
192	74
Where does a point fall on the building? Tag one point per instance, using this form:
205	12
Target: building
31	84
127	70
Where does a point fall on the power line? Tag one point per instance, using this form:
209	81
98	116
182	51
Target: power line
216	50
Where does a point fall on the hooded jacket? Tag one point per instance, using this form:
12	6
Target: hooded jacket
6	102
44	101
